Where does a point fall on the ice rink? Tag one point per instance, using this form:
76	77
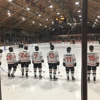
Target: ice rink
22	88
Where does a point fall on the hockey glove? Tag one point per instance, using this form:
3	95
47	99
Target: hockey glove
1	50
75	64
19	62
0	63
29	62
16	64
58	63
63	64
97	64
42	61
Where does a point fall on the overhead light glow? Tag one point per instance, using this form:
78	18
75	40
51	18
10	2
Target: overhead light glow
77	3
45	26
47	19
53	29
80	15
95	23
23	18
10	0
9	14
68	23
33	22
39	15
51	6
79	10
52	22
27	8
58	13
80	19
40	24
98	16
49	27
96	20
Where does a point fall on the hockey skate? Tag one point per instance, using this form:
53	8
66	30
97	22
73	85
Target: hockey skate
55	78
67	77
26	74
73	78
40	76
35	76
88	79
22	74
50	77
8	75
12	75
94	79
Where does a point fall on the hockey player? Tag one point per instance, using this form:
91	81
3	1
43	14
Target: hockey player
24	60
0	55
37	60
12	62
92	62
53	61
69	61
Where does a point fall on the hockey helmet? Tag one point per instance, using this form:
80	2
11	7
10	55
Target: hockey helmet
1	50
26	47
52	47
91	47
10	49
68	49
36	48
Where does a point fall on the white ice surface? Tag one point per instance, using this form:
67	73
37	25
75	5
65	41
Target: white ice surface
21	88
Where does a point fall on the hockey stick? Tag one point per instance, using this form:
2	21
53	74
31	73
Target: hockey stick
0	86
58	70
3	70
21	70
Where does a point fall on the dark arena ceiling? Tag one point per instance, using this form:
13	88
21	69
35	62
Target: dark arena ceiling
38	15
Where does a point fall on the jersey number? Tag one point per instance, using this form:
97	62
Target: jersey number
35	56
9	57
51	55
91	58
69	59
23	55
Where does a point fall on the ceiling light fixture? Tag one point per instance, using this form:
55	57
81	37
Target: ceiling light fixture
47	19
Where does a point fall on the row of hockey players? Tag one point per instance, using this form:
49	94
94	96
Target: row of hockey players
69	62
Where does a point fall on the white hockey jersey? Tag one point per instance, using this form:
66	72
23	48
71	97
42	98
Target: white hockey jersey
0	56
52	57
37	57
92	59
24	56
11	58
69	60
